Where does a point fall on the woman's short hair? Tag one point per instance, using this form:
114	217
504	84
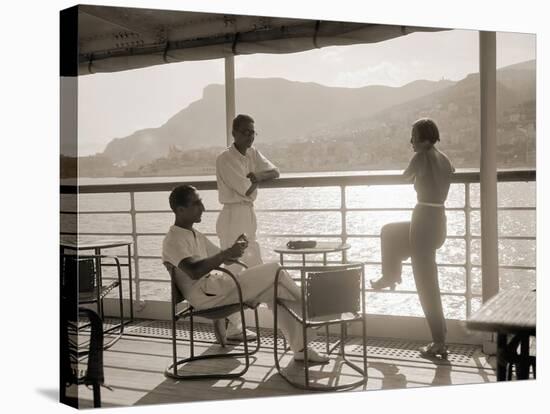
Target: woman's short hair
179	197
427	130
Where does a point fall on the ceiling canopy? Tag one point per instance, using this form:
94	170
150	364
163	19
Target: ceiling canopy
112	39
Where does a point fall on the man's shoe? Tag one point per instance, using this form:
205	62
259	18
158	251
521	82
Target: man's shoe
434	350
237	335
312	356
219	331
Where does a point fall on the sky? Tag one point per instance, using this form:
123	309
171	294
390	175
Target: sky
117	104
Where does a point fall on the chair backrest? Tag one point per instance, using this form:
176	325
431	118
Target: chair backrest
334	292
181	282
81	270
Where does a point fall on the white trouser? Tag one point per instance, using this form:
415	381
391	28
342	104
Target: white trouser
234	220
257	285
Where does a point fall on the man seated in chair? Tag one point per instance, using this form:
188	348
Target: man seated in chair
189	250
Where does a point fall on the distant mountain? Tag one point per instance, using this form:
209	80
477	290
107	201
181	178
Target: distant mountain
297	111
520	78
382	138
283	110
454	106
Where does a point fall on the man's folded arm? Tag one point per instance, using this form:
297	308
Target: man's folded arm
267	175
229	173
197	267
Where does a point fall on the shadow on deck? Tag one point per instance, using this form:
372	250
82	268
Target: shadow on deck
134	368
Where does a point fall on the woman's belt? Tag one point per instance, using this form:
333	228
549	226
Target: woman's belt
422	203
239	203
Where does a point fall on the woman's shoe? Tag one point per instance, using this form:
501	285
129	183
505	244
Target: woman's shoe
435	349
382	283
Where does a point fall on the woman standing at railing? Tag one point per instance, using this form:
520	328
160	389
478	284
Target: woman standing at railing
431	171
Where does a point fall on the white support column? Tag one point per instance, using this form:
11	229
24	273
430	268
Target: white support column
229	96
488	165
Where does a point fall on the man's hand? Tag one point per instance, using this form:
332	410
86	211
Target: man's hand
251	189
254	179
237	250
243	239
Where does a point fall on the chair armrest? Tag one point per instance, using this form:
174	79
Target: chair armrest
117	264
101	256
237	284
106	256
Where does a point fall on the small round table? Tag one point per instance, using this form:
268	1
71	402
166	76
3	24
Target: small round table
323	248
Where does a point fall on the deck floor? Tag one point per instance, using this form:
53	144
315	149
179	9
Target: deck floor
134	368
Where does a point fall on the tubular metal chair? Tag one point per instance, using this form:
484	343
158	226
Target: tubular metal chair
72	354
219	312
331	295
83	277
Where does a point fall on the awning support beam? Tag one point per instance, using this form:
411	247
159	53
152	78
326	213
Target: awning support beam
229	97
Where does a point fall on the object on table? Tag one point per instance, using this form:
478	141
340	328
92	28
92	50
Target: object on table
301	244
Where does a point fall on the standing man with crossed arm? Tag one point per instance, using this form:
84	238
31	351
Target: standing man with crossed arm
239	171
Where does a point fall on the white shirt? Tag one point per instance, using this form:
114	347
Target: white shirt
179	244
231	170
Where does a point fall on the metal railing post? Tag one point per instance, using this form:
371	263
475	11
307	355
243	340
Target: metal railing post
135	239
468	240
343	214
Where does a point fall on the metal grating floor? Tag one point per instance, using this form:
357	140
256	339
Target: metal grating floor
383	348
